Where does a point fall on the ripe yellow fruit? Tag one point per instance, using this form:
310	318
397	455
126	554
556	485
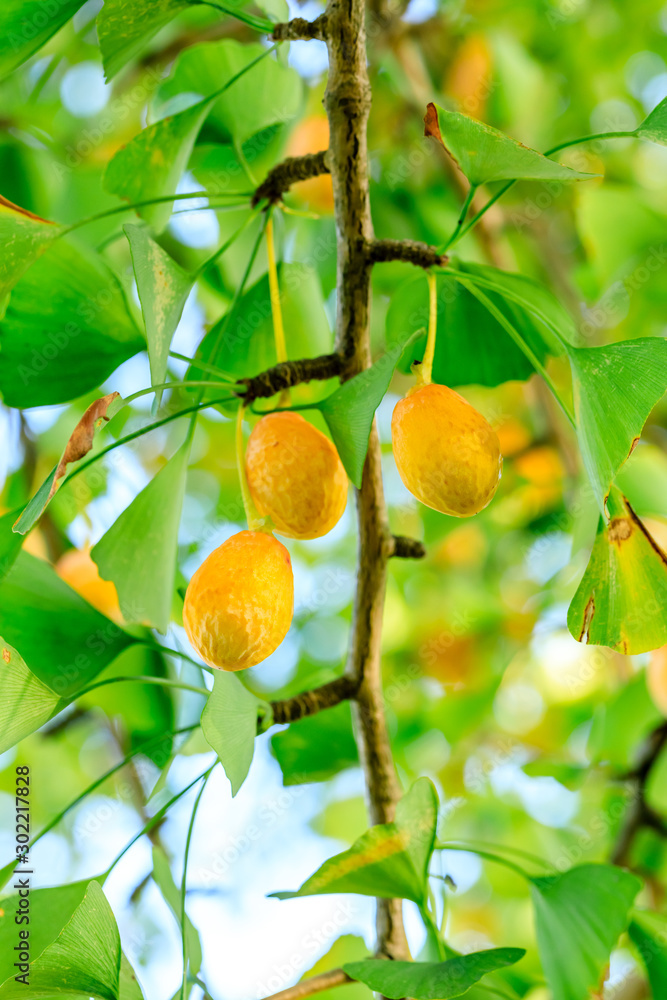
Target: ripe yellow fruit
295	476
77	568
447	454
312	136
656	679
239	604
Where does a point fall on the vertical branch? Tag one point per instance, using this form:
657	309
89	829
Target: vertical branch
347	100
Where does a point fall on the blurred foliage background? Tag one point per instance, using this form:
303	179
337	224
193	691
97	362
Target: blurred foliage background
528	735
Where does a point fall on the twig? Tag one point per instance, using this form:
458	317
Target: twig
306	988
641	815
299	28
289	373
407	548
310	702
290	171
410	251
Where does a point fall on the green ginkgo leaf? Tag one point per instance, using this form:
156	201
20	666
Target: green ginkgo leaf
615	388
648	931
151	164
654	126
229	723
389	860
484	154
268	95
163	288
579	917
51	626
125	26
431	980
24	236
82	960
26	702
621	599
66	327
349	411
138	552
26	25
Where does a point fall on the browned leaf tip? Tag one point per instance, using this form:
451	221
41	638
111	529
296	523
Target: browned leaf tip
24	211
81	439
431	123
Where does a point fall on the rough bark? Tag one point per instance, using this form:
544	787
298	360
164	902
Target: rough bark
315	700
307	987
299	28
347	100
290	171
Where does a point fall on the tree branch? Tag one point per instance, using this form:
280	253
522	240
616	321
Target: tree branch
407	548
310	702
410	251
347	100
641	815
325	981
300	29
290	171
290	373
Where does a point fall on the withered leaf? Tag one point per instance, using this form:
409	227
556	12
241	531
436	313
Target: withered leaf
81	439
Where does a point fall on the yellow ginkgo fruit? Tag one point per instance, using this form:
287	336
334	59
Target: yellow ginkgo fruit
295	476
239	604
447	453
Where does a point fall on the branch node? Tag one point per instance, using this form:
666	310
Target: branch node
407	548
290	171
299	29
310	702
290	373
409	251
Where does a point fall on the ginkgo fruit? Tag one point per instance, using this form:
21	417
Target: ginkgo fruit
656	679
77	568
446	452
295	476
239	604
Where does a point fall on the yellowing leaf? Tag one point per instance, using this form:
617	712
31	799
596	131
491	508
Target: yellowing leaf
23	237
621	599
389	860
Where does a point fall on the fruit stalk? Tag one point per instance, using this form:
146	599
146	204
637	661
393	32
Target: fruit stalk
347	100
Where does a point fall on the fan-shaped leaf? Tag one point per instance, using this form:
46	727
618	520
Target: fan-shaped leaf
229	723
621	599
138	552
125	26
431	980
23	237
484	154
579	917
163	288
26	703
390	860
615	389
